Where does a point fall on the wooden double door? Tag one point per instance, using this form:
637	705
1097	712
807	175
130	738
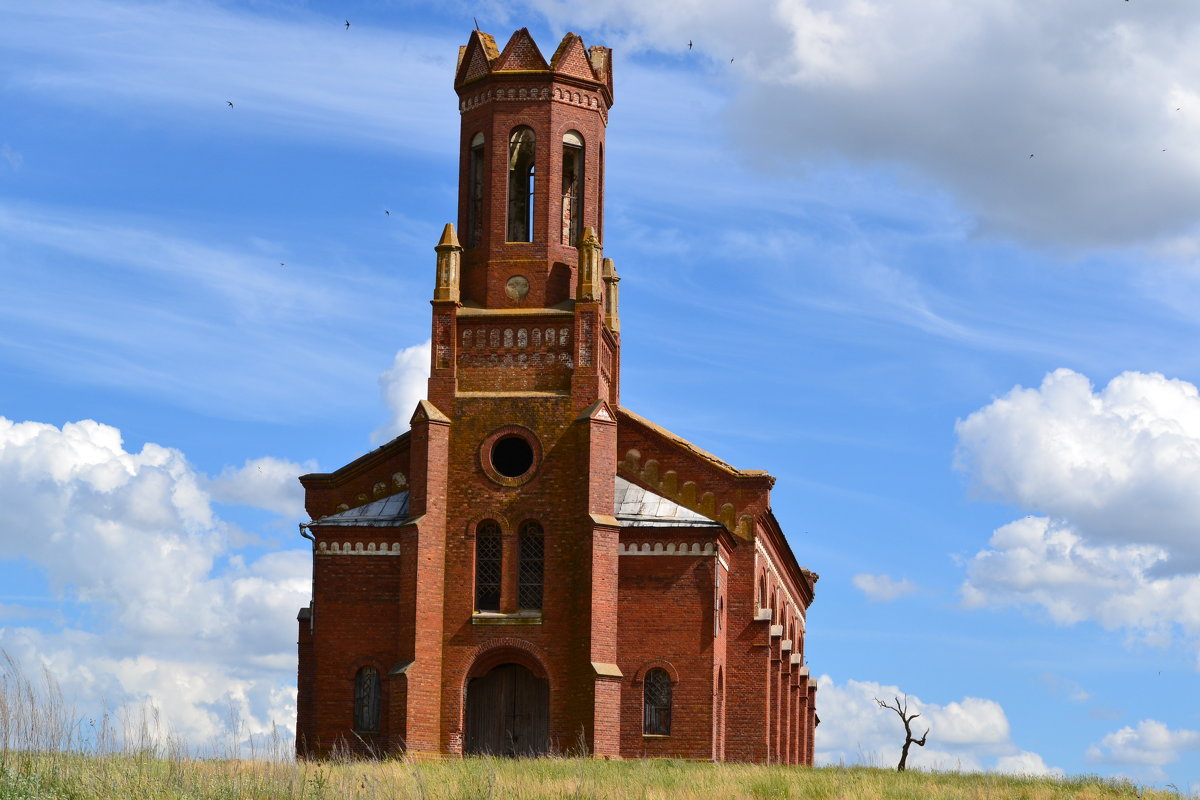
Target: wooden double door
508	713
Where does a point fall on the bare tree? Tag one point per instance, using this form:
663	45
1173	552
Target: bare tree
901	708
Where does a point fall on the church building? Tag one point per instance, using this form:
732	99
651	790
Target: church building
534	568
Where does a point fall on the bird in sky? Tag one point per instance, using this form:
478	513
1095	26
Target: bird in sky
347	24
1031	155
229	103
689	44
281	263
385	211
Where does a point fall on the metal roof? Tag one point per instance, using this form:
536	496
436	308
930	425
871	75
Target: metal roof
384	512
633	507
636	507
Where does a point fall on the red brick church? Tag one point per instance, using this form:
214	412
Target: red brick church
534	568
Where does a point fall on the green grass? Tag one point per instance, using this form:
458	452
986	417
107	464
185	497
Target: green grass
51	776
48	753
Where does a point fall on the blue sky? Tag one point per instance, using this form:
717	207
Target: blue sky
933	265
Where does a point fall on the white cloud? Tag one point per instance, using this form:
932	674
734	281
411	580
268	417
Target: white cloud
266	482
883	588
1115	471
1026	763
1150	744
1122	464
185	622
1037	562
402	385
968	734
959	94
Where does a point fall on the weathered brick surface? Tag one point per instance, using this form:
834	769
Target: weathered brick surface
544	364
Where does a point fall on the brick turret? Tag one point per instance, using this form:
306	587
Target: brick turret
530	225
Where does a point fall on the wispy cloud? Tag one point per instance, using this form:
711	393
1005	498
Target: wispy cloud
11	157
290	74
130	302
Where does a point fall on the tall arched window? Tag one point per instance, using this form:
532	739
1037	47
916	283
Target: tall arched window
521	151
366	699
475	192
487	566
656	719
530	571
572	188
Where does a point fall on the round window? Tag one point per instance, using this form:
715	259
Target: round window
512	456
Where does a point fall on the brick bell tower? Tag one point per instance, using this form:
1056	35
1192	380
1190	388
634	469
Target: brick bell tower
530	223
525	369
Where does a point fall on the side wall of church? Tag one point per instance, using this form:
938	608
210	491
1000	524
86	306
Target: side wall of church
357	600
666	621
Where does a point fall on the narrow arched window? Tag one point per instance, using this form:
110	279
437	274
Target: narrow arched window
475	192
572	188
487	566
530	568
521	151
366	699
656	720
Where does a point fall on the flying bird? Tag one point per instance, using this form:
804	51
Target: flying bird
385	211
280	264
689	44
1031	155
347	24
229	103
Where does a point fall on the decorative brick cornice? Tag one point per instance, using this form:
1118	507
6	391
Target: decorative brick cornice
358	549
667	549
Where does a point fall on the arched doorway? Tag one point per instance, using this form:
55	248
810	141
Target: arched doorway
508	713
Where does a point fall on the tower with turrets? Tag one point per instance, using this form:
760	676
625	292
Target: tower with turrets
533	568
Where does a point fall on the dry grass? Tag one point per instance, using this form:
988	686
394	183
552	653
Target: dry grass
46	753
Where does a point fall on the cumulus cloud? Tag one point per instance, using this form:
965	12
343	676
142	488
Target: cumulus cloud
402	385
1026	763
266	482
177	617
883	588
1113	473
1150	744
1122	464
960	95
1039	562
968	734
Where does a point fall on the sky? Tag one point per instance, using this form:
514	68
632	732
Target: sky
934	265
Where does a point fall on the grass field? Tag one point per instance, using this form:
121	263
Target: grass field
47	752
42	776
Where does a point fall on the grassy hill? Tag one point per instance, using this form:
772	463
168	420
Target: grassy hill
50	776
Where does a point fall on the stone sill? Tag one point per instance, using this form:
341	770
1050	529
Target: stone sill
498	618
656	736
